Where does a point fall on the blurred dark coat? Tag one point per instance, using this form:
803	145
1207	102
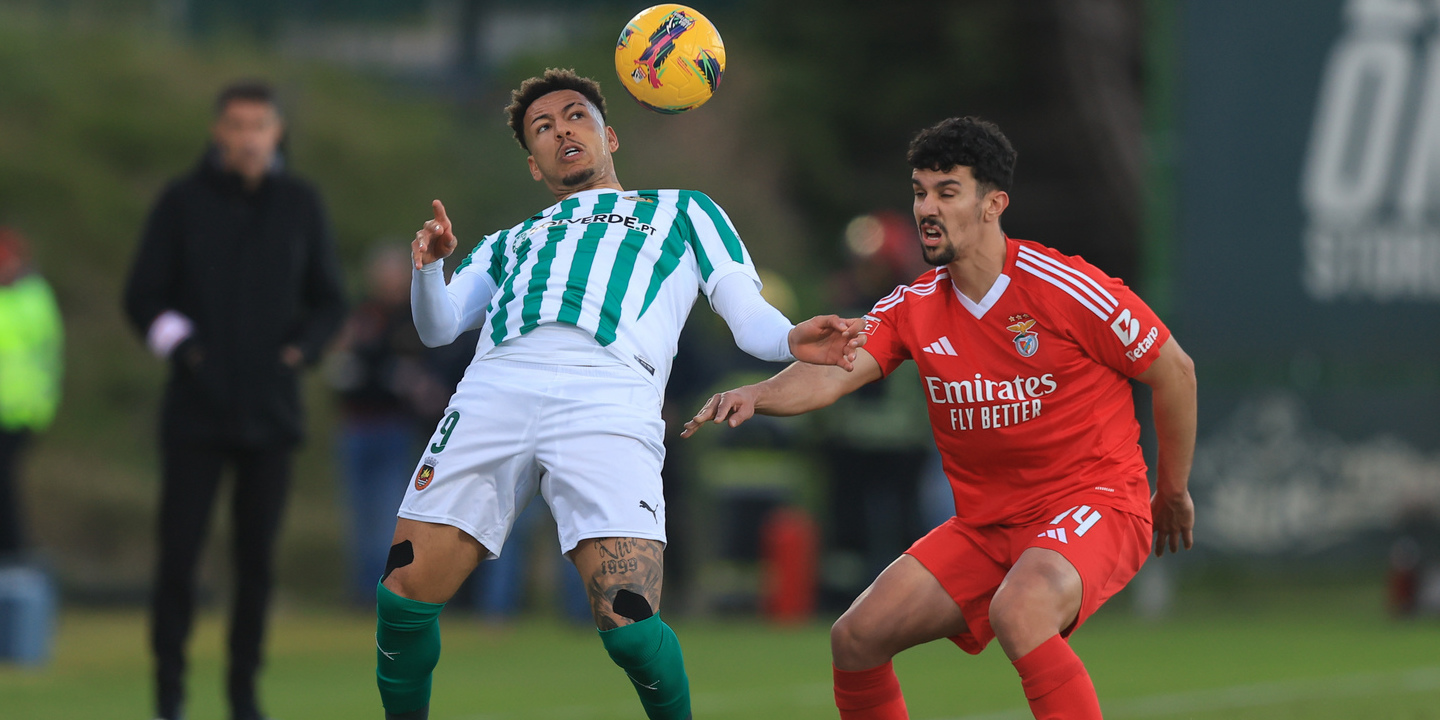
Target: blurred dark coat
255	272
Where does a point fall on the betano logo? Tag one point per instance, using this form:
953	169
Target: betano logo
1372	173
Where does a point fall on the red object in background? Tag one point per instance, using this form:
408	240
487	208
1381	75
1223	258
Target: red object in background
789	552
1404	577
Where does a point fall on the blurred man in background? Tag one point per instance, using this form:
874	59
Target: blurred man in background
1026	356
237	285
31	345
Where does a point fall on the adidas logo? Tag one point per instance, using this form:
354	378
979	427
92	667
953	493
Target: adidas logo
942	347
1055	534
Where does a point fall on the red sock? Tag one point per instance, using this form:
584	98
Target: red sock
872	694
1056	683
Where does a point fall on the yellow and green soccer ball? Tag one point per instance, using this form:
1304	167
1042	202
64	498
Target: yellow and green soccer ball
670	58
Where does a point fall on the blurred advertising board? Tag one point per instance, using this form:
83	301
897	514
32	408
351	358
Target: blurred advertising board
1305	265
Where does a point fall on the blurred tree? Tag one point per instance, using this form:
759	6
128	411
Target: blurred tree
851	83
262	18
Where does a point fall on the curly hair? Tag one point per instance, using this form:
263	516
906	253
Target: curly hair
553	80
968	141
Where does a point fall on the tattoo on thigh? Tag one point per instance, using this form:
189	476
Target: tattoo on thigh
628	564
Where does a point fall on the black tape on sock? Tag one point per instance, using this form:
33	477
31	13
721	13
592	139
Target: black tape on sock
629	605
401	554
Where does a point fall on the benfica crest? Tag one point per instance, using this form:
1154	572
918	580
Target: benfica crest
1026	342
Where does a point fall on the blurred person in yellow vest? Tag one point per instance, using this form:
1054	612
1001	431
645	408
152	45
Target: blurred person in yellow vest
31	340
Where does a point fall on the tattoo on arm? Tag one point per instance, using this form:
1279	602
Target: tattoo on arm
629	564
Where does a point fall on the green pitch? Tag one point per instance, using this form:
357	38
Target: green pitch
1313	655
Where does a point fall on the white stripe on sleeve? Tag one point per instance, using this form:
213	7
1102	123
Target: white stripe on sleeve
1067	287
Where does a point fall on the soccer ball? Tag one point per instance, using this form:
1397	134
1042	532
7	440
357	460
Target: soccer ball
670	58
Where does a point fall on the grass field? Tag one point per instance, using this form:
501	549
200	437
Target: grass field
1314	655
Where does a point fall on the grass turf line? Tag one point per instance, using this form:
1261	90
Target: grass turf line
1325	659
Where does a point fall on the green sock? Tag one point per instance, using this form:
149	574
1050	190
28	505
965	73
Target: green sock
649	653
407	646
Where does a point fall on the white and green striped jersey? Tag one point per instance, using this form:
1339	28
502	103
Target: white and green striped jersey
624	266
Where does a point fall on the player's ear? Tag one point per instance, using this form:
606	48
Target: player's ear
534	169
995	203
611	139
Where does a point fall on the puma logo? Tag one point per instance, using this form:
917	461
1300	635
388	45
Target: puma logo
646	506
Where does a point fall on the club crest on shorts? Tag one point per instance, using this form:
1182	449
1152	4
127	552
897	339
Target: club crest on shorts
426	474
1026	343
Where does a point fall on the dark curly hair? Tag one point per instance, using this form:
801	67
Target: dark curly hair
968	141
553	80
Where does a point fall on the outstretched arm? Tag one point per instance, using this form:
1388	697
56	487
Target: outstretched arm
764	332
797	389
1171	378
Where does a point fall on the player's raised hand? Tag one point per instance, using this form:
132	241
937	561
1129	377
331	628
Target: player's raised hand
828	340
732	407
1174	518
436	239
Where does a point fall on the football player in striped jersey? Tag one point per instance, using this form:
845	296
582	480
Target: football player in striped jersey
580	308
1026	355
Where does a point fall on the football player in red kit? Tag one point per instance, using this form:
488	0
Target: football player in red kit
1025	355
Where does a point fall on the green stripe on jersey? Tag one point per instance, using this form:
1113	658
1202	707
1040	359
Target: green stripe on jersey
620	274
722	226
540	276
670	253
497	253
498	332
579	278
497	258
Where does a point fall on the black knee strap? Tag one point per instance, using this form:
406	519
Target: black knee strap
630	605
401	554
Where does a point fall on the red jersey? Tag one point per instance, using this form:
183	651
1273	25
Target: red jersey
1028	389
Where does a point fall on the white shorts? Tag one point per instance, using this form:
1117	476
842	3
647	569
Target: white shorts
589	439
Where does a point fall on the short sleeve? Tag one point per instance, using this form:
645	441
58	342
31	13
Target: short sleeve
488	257
1116	328
718	249
882	326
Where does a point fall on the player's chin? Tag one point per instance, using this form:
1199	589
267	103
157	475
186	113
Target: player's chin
577	177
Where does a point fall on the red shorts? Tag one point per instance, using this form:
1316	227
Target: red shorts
1105	545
